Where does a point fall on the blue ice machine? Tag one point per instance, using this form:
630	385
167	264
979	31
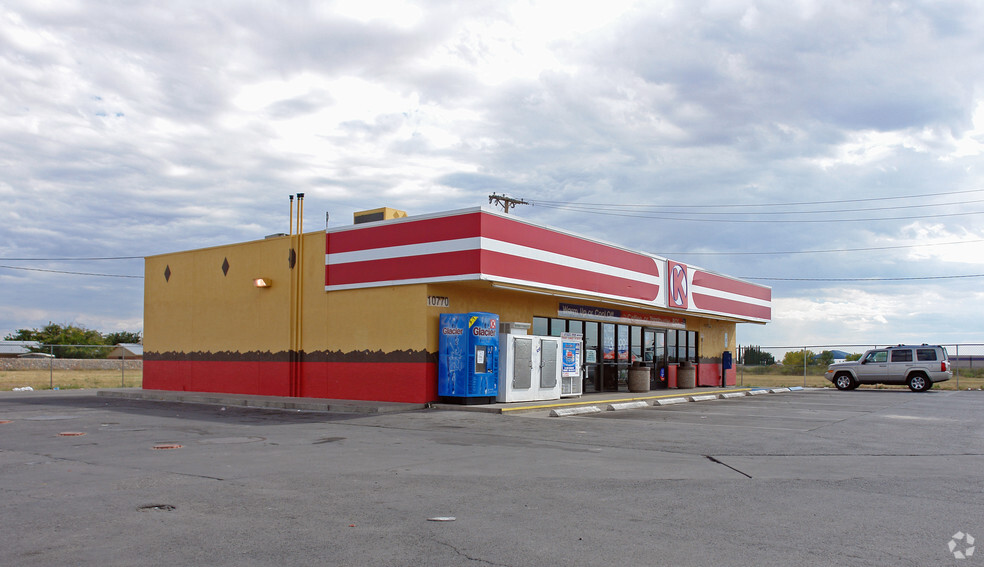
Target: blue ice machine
468	361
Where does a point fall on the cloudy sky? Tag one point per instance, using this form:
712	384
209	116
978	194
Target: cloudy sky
829	149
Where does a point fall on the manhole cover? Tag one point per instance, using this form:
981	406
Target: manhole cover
71	434
167	446
156	508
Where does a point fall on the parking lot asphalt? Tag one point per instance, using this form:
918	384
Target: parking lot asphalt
814	477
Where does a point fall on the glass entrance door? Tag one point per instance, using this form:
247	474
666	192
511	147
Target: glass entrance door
654	355
649	353
609	358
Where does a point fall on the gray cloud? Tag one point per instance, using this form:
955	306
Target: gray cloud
126	132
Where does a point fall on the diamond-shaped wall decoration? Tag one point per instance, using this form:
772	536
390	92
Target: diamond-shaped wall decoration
167	273
225	266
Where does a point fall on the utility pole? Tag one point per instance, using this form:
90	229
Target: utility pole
505	202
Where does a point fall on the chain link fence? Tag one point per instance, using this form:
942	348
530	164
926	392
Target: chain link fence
774	366
62	367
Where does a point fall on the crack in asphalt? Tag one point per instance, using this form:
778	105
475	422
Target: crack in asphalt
713	460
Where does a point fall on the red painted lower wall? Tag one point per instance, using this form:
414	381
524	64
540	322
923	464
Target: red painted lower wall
408	382
709	374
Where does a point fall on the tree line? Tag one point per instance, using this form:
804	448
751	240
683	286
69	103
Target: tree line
793	361
65	337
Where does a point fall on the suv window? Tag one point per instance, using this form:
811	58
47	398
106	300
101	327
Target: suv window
928	354
877	356
902	355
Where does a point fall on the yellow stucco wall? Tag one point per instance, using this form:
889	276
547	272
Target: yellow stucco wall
200	309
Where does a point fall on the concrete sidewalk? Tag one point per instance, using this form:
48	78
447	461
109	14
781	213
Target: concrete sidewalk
265	402
372	407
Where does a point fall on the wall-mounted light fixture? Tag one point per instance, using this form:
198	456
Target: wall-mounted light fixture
262	282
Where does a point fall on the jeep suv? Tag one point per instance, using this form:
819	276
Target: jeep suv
917	366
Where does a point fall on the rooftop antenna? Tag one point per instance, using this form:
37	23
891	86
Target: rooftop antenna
505	202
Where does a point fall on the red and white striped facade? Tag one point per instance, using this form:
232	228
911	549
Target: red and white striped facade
478	244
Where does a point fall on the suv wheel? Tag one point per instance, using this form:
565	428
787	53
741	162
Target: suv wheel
844	381
919	383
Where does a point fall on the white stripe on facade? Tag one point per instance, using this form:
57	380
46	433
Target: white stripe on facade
475	243
728	295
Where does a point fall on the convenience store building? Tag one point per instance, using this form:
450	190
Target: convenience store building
352	312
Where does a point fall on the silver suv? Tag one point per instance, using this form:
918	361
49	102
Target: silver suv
917	366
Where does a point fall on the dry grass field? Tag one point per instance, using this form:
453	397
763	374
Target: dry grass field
69	379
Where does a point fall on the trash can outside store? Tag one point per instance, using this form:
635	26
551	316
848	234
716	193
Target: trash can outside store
687	375
639	378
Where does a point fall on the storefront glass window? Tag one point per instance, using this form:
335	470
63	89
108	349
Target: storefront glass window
623	343
558	327
671	350
540	326
608	342
635	340
591	355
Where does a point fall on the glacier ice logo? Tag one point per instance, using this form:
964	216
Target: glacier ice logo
957	545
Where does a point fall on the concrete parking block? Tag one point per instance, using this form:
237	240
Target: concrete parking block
704	397
627	405
757	392
564	412
669	401
733	395
778	390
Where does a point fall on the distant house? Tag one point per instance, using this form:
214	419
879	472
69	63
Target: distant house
13	349
126	350
839	355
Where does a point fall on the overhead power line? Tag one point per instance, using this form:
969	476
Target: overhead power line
742	277
778	253
67	272
792	204
659	216
863	279
577	206
70	259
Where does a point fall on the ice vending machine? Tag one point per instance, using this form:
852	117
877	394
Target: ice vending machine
468	361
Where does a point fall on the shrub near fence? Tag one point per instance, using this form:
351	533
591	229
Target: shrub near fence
966	361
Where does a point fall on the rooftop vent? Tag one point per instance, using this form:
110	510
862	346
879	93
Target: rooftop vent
383	213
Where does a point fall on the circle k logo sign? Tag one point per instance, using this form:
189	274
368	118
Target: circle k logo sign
677	287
